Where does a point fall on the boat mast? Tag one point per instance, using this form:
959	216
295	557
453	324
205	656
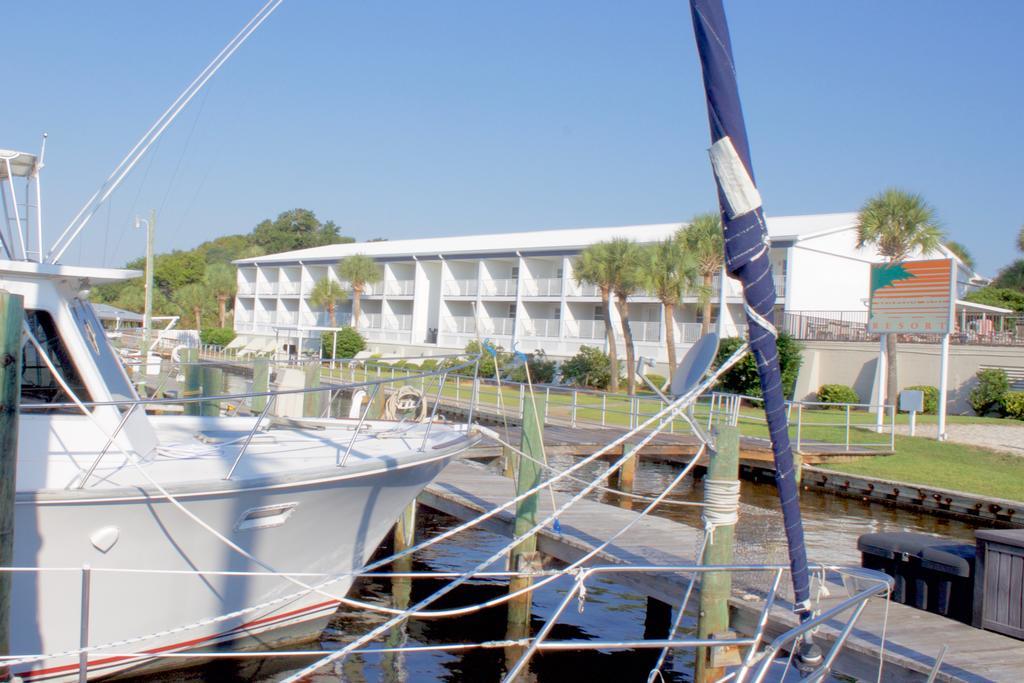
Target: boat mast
747	258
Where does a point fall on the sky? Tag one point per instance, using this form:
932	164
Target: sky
413	119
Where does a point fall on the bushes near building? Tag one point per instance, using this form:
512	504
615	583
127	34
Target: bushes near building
1013	404
989	394
349	343
220	336
931	397
590	367
837	393
743	377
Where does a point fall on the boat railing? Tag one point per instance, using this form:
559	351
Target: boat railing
837	615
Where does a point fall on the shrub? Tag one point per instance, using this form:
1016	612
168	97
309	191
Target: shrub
656	379
221	336
931	397
743	377
487	361
837	393
590	367
988	395
428	365
542	369
1013	404
349	343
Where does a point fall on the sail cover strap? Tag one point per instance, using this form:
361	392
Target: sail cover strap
746	258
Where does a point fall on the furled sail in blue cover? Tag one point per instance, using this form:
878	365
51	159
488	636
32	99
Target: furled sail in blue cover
746	258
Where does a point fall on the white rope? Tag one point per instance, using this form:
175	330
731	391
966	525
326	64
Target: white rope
401	400
721	505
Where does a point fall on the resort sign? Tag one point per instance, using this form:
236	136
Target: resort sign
913	297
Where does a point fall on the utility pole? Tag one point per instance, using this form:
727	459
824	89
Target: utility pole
147	315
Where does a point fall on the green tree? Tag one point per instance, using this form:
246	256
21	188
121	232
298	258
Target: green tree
670	272
629	259
175	270
590	367
222	283
327	294
359	271
743	378
702	241
349	343
899	224
192	299
1020	239
961	253
1011	276
296	229
596	266
998	296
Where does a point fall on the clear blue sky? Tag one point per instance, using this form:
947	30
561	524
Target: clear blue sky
411	119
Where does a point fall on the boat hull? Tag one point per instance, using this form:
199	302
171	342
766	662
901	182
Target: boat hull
321	523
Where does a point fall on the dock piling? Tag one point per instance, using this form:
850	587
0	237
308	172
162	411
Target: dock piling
260	383
212	385
193	381
12	318
312	401
716	587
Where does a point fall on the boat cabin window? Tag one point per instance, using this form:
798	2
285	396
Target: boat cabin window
38	384
110	367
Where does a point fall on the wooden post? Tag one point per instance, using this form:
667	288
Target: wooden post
405	528
12	316
511	460
798	468
524	555
193	381
715	587
213	385
627	473
260	383
312	402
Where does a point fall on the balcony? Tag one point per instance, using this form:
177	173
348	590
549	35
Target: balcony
460	287
399	323
643	331
399	287
266	288
287	318
544	286
288	288
541	327
502	287
460	324
575	289
246	288
371	321
585	329
498	326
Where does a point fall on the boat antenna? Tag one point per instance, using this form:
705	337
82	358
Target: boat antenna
747	258
137	152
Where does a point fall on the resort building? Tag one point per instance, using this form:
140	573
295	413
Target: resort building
518	290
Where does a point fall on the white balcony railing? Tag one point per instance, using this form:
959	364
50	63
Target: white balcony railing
288	287
498	326
467	287
586	329
399	287
287	317
266	287
645	331
370	321
460	324
541	327
502	287
543	286
575	289
246	288
402	322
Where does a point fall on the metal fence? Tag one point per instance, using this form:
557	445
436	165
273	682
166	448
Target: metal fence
969	327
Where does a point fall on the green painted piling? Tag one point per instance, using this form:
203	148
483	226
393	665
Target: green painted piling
313	401
260	383
193	381
213	385
12	316
525	553
715	587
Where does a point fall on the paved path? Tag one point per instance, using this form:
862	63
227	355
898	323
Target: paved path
1007	438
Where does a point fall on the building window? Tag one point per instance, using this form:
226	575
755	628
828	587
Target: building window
515	272
512	310
598	312
558	273
557	314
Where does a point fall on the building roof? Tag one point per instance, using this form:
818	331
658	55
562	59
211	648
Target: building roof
780	229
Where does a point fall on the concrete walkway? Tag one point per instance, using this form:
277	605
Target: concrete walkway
1007	438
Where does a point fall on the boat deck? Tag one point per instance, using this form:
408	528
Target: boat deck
914	638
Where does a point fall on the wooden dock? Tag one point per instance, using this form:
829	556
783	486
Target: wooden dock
914	638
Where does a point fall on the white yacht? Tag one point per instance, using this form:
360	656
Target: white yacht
179	518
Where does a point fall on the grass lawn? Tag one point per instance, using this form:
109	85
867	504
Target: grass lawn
947	465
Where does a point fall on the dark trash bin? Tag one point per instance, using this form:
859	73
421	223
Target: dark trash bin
898	554
947	573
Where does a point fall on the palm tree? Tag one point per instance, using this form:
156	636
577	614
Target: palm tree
961	252
703	242
193	299
326	294
596	266
221	279
360	271
671	272
629	259
899	224
1020	239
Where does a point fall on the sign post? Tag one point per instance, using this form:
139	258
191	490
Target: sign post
916	297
